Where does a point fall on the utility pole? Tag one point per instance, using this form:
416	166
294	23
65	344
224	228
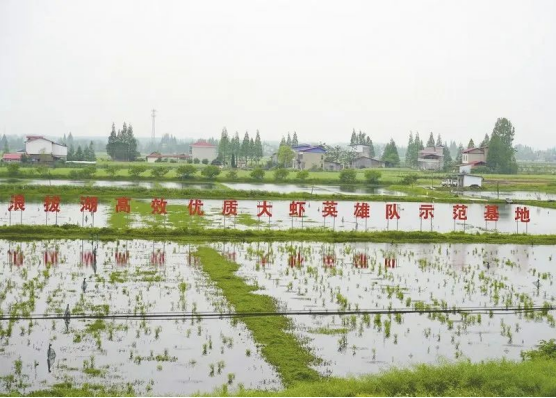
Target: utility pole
153	125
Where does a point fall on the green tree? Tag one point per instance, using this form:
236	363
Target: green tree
233	163
438	140
285	156
71	153
231	175
159	172
4	144
91	156
430	142
289	140
135	171
210	172
281	174
122	145
206	161
459	155
390	154
485	141
302	175
224	146
295	142
13	169
257	174
244	151
197	161
447	158
501	154
79	153
111	170
471	144
409	151
186	170
258	148
372	176
409	179
348	176
353	140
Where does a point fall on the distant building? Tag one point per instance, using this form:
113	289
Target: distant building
473	157
308	157
154	156
332	166
203	150
469	180
366	162
12	157
431	158
40	149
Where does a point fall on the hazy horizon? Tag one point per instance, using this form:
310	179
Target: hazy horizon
320	68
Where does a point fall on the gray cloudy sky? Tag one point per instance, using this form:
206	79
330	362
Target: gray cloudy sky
320	68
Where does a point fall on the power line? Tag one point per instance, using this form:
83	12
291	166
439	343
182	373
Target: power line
221	315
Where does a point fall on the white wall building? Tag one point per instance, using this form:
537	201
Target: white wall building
204	150
468	180
41	149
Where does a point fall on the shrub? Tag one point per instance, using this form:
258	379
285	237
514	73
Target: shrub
159	172
372	176
196	161
111	170
186	171
257	174
545	350
409	179
13	169
281	174
302	175
205	161
348	176
135	171
210	172
231	175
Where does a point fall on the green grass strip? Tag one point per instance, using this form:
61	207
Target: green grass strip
279	346
199	234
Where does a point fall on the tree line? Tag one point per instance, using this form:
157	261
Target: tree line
122	145
231	150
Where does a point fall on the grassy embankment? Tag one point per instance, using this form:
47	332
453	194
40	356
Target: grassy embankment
198	234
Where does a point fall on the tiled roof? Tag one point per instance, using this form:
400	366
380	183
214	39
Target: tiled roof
12	156
203	144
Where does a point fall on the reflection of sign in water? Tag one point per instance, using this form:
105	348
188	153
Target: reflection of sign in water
329	260
158	258
231	256
50	257
88	258
193	259
264	259
15	257
296	259
360	260
390	262
122	258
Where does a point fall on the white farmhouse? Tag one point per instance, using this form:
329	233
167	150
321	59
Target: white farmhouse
203	150
469	180
40	149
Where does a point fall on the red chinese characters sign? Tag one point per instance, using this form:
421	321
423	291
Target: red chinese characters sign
362	210
89	203
52	204
123	205
17	202
297	209
264	209
159	206
195	207
229	208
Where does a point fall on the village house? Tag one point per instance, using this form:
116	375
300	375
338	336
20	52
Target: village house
473	157
43	150
155	156
12	157
308	157
431	158
203	150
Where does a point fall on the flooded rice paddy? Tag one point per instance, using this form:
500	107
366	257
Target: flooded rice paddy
197	354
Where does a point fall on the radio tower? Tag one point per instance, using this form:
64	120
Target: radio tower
153	131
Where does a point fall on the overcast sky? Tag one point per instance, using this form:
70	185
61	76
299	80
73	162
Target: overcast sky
320	68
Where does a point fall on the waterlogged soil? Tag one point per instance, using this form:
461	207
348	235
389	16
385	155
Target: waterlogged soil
34	214
152	356
514	195
317	276
113	184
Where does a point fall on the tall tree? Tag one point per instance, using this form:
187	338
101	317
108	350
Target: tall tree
295	142
501	154
236	145
430	142
485	141
79	153
121	145
353	138
224	146
4	144
283	141
438	140
289	140
471	144
459	155
258	147
409	151
244	153
390	154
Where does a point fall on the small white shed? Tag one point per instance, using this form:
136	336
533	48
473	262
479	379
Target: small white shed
469	180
